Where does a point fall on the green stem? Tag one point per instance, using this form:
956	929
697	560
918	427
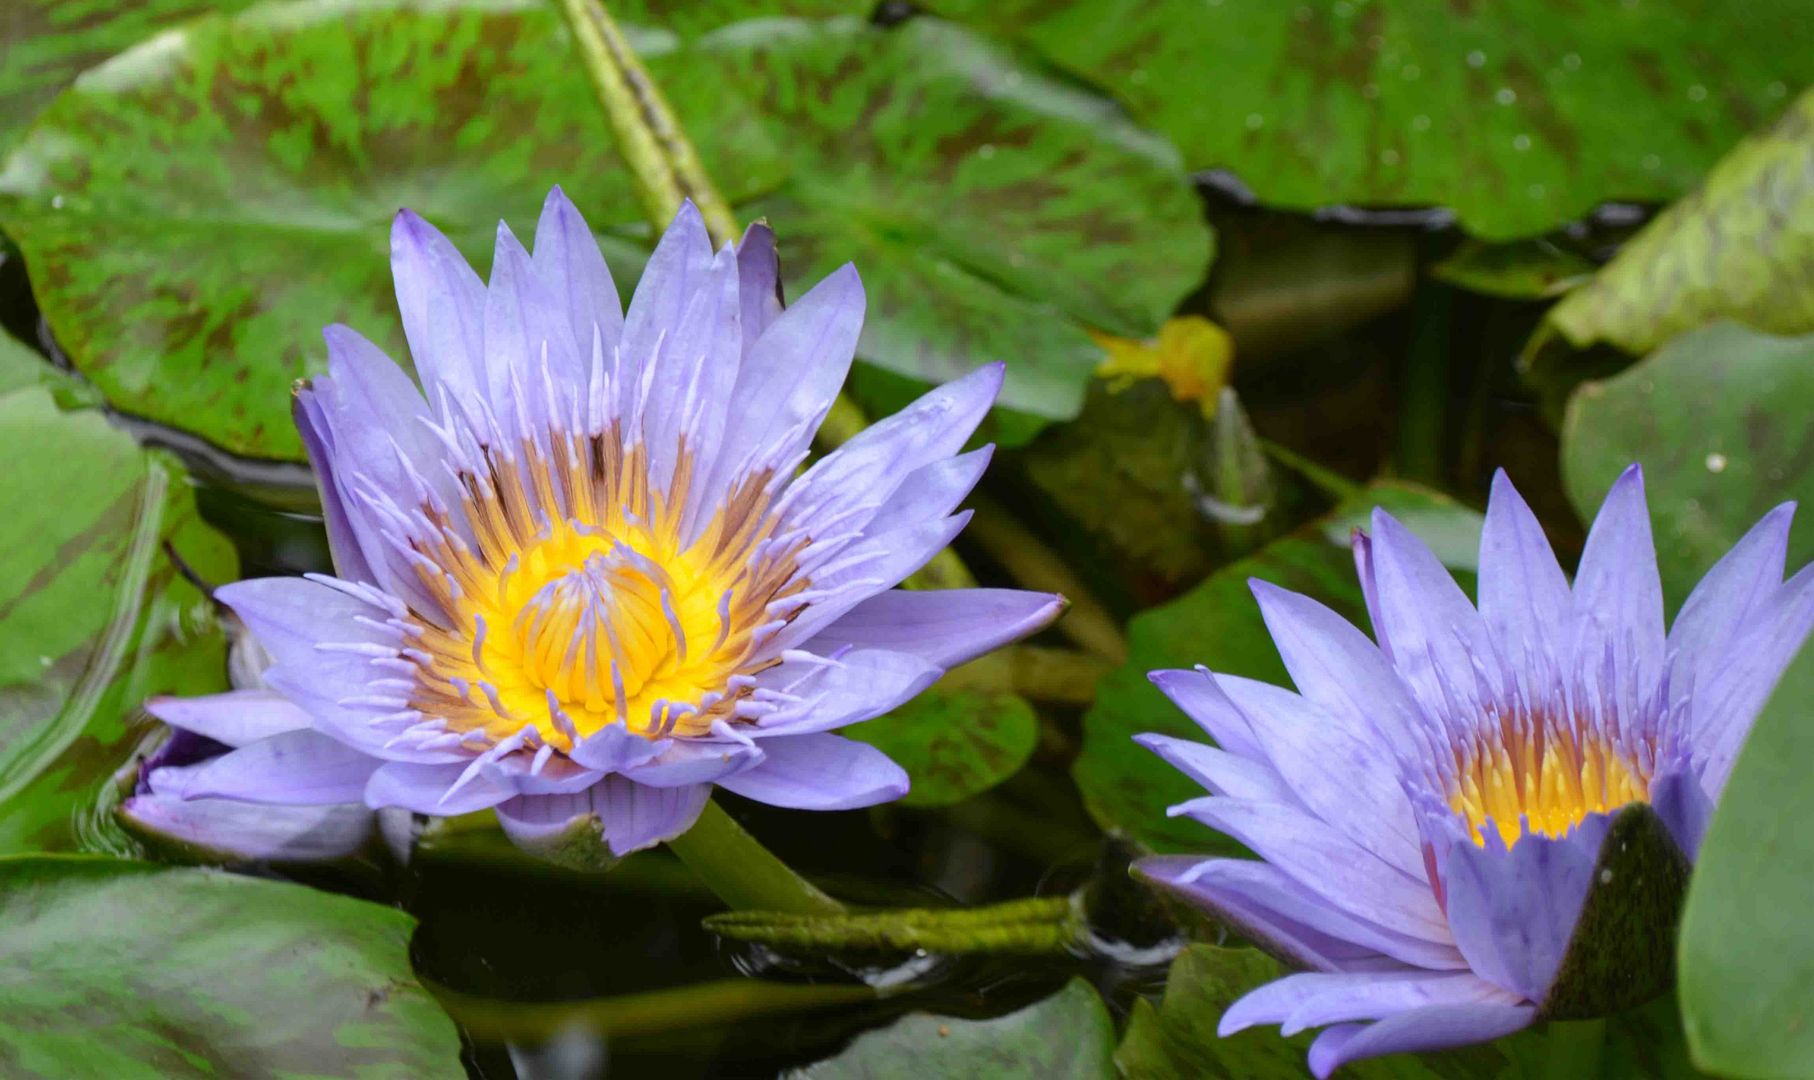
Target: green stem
743	873
662	160
1043	925
1331	483
651	1012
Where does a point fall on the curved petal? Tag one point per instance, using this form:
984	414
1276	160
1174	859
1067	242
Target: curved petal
1618	594
1524	596
1327	863
1682	803
295	768
235	718
1437	1027
673	274
430	789
442	302
1203	700
1381	999
1512	911
931	491
615	748
318	442
1335	666
630	817
569	262
1222	773
1726	703
1348	780
239	830
694	761
1426	624
820	772
1289	920
759	282
859	685
944	627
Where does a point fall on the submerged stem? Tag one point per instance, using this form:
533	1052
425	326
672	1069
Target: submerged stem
743	873
1043	925
1037	566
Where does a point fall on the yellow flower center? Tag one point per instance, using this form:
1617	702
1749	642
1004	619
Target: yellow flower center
584	602
1552	781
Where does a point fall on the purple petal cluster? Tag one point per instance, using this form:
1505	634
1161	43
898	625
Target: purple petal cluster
1428	809
580	575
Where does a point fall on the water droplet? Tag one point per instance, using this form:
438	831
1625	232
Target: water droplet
1255	121
1011	79
1716	462
1138	76
1388	157
1572	61
1521	142
1506	95
45	661
1411	71
986	151
1420	123
1016	258
1477	59
1697	92
56	202
1606	876
1652	162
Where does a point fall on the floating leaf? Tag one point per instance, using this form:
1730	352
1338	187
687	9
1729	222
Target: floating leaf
49	42
1068	1036
993	211
1741	247
1747	948
1218	624
195	210
126	969
22	366
94	614
165	203
1520	116
1719	420
1522	270
955	740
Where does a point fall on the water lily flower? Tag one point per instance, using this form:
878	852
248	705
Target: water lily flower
579	577
1428	810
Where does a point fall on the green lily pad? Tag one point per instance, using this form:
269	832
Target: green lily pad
1218	624
196	209
126	969
193	212
50	42
1520	116
993	211
94	614
1068	1036
1741	247
1746	953
1719	420
21	366
955	740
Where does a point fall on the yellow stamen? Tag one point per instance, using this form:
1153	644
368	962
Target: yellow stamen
579	601
1551	781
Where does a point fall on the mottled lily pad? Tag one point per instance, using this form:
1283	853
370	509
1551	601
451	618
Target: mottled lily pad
1741	247
1068	1036
50	42
95	615
194	210
955	740
1518	115
127	970
1719	420
1218	624
994	212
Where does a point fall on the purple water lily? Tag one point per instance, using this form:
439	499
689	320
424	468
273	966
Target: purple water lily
1429	809
583	579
